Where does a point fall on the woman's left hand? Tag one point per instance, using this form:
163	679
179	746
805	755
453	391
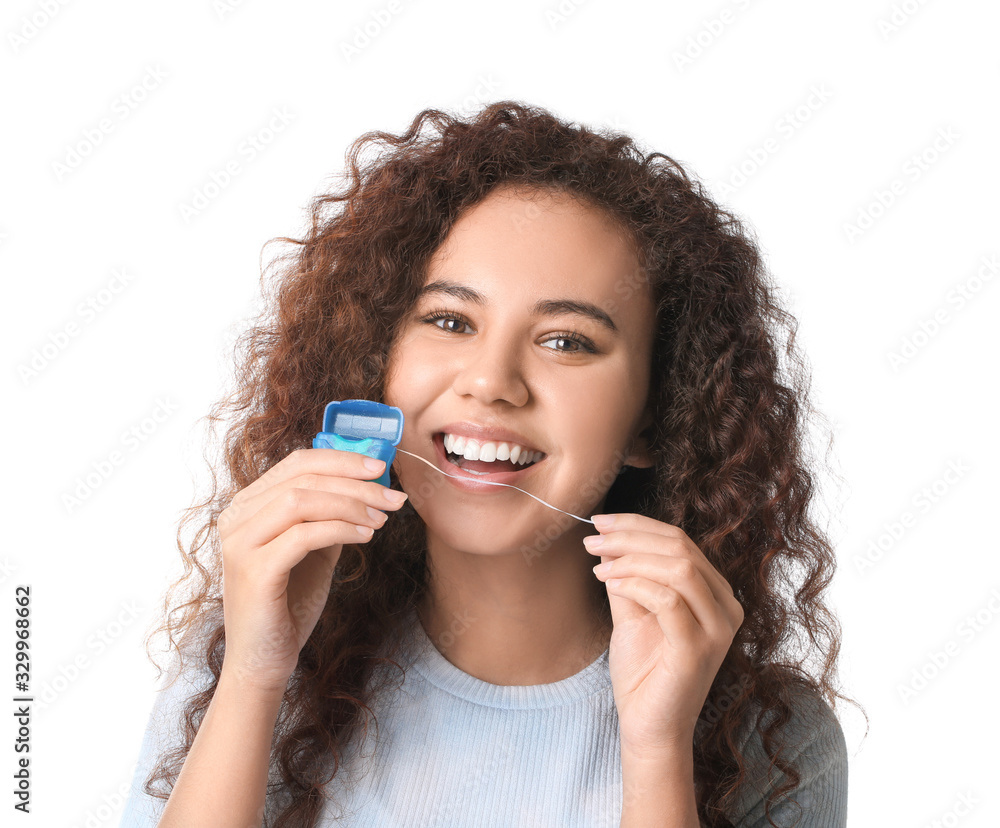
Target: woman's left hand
675	618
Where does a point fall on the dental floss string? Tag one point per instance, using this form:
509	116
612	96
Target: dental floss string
494	483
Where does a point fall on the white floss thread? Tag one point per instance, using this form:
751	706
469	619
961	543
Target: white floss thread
494	483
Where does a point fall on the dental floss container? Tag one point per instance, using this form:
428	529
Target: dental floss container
364	427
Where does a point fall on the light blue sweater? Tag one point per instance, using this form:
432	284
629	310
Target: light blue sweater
456	751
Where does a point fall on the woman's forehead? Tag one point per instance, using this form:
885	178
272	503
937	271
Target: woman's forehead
537	244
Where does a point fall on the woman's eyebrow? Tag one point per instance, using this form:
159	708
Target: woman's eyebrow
551	307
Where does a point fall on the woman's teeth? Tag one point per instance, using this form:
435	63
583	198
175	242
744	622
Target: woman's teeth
488	452
460	460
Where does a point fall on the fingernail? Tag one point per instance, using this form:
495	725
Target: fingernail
603	569
394	497
374	465
603	521
375	514
592	541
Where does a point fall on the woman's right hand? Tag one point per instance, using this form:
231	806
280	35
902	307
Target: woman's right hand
281	539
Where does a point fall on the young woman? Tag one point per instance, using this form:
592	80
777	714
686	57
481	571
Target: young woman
554	310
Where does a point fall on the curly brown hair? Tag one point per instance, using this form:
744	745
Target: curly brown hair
728	440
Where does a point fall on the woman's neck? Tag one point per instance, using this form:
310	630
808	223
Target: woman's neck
507	623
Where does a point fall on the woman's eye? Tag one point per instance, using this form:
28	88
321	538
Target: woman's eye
456	325
576	345
572	343
456	328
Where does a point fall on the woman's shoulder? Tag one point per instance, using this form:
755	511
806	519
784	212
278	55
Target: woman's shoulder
811	719
812	741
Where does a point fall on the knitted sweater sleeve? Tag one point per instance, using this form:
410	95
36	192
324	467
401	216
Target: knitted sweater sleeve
818	751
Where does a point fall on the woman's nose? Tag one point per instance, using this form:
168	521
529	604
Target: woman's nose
492	369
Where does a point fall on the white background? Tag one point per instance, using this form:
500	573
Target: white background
846	95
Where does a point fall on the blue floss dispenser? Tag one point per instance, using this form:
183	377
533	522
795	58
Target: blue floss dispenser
364	427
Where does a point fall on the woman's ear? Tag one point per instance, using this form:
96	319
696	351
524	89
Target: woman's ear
639	451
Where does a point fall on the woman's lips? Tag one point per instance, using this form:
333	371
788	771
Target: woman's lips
468	477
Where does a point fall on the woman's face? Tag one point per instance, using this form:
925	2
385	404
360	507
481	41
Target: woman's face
545	333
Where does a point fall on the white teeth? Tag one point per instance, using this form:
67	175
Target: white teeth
489	451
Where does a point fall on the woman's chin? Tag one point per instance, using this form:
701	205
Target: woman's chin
493	534
477	537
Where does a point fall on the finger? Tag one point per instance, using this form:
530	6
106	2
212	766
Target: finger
633	520
672	613
681	575
621	542
328	462
293	506
279	557
372	494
